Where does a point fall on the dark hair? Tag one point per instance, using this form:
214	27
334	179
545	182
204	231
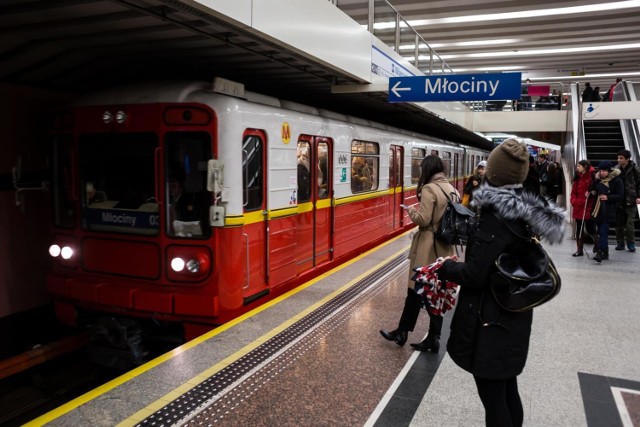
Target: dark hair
625	153
430	166
585	164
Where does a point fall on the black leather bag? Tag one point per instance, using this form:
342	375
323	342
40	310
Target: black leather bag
525	279
456	221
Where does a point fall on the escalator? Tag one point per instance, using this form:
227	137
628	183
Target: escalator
603	139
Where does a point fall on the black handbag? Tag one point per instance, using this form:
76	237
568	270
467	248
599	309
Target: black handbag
526	278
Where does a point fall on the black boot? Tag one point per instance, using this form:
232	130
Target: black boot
599	257
408	319
579	252
397	335
430	343
605	253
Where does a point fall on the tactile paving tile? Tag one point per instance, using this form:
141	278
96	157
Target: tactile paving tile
209	401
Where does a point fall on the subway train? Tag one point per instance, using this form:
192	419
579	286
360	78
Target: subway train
192	203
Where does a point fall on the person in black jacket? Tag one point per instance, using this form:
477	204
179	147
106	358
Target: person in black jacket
532	181
486	340
608	190
630	176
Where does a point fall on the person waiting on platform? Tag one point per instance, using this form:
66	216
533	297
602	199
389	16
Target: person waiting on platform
608	189
541	168
433	187
552	182
532	181
473	183
582	205
486	340
630	175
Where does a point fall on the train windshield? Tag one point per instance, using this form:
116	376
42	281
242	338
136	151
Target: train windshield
186	156
117	183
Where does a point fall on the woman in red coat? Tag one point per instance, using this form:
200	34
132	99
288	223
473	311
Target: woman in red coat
582	203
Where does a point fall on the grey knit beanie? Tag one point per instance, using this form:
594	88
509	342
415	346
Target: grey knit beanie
508	164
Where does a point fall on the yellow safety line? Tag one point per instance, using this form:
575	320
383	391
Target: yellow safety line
155	406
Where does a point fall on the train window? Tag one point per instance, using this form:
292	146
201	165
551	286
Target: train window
117	182
63	210
323	170
304	171
186	156
252	172
446	160
365	166
417	154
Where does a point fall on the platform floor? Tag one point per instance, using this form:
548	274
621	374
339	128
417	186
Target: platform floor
315	358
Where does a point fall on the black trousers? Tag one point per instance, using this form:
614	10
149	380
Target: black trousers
411	311
501	401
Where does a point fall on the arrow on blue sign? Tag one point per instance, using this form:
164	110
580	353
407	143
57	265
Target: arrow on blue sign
455	87
395	89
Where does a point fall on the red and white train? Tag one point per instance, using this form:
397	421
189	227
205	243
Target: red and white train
181	204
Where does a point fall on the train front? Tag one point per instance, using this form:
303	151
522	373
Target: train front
136	194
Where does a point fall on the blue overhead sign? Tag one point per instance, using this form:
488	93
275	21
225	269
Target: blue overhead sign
455	87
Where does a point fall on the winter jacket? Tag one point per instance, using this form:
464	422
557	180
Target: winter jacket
613	187
425	249
631	178
469	188
486	340
581	185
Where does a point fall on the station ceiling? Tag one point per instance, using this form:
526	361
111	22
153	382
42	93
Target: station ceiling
78	46
543	38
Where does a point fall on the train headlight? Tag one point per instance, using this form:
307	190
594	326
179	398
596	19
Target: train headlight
107	117
121	117
193	266
188	263
54	250
66	252
177	264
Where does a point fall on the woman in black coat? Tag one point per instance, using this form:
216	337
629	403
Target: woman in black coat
608	189
486	340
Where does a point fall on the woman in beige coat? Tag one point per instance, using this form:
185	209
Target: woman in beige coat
433	191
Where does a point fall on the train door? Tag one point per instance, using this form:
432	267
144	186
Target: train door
396	184
314	219
254	251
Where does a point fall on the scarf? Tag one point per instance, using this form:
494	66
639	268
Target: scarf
438	297
612	174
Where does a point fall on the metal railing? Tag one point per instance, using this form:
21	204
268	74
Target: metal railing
384	21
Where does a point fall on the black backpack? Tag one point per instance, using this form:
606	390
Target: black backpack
456	222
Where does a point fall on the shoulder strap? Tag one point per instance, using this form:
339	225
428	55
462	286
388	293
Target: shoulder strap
530	237
454	193
443	192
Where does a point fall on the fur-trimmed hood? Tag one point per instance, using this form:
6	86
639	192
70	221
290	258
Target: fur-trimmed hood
544	218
